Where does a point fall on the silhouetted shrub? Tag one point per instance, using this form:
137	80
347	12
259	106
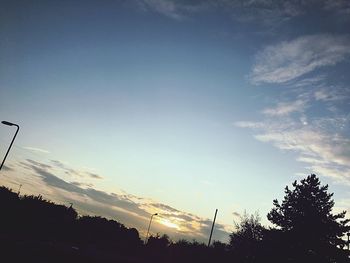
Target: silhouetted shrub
246	241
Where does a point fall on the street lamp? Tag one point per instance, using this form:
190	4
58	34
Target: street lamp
14	137
150	221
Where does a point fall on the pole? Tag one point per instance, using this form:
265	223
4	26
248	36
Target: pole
8	150
212	227
149	226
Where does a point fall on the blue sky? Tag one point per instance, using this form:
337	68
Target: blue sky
129	108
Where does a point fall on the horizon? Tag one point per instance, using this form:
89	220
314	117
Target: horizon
129	108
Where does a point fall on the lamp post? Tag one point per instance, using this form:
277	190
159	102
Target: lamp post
14	137
150	221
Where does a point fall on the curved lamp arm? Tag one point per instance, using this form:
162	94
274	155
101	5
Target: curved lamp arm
13	139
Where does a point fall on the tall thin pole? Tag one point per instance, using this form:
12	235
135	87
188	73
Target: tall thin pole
149	226
212	227
14	137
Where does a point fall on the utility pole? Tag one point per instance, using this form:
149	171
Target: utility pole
212	227
149	226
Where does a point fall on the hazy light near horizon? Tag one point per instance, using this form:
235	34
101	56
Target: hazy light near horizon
177	107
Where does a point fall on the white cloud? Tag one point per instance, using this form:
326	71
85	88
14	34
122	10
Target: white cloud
285	108
249	124
165	7
34	149
316	81
319	136
339	174
289	60
318	144
268	13
331	94
174	9
340	6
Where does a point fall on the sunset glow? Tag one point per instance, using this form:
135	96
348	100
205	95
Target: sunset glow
169	224
177	108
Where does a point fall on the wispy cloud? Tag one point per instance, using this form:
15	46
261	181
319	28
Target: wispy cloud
318	129
34	149
94	175
285	108
331	94
174	9
315	81
267	12
261	12
317	144
165	7
75	172
289	60
340	6
312	119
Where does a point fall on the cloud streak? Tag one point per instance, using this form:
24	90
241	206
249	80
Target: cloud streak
174	9
34	149
324	151
83	173
289	60
286	108
263	12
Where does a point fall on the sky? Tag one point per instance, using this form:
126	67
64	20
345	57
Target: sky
129	108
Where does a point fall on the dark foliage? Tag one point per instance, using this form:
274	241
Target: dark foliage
246	241
158	242
157	248
307	229
186	251
45	231
105	234
36	230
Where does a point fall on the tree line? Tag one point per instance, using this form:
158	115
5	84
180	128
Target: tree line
305	229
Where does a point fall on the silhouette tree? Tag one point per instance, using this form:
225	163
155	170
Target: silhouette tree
157	248
219	252
220	246
158	242
106	234
43	231
246	240
186	251
310	232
